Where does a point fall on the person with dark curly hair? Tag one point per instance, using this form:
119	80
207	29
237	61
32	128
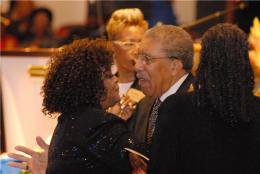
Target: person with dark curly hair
80	87
216	128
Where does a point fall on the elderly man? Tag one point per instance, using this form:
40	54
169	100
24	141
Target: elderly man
163	64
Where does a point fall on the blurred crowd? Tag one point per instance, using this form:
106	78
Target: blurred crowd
25	24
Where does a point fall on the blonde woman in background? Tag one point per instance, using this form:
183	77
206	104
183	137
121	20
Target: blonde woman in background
125	28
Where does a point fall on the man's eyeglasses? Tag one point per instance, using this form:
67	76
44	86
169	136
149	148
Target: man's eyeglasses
146	60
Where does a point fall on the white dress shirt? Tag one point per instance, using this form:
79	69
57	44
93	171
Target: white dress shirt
173	88
123	88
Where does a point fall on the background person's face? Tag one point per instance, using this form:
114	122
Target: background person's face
154	78
40	23
128	40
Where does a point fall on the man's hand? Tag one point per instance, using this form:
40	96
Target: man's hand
37	162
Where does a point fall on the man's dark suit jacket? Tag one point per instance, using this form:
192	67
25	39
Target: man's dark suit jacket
139	121
192	140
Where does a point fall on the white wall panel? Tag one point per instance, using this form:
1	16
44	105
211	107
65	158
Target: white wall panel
22	102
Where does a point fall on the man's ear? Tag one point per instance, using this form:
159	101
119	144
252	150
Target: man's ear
176	67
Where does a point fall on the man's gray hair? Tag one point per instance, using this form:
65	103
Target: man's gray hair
176	43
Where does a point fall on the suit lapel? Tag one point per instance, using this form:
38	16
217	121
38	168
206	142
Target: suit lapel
143	117
186	84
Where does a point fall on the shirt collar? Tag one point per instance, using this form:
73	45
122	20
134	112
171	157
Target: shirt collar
173	88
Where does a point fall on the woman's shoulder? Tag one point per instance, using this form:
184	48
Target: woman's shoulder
93	118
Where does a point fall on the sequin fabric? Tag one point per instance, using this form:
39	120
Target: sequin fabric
90	142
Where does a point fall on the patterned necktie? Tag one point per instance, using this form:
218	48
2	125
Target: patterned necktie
152	120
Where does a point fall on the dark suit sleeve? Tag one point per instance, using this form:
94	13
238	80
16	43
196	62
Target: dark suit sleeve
165	141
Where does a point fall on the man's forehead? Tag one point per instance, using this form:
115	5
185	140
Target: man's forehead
149	44
145	42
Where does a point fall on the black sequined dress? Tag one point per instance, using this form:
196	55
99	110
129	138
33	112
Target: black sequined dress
90	142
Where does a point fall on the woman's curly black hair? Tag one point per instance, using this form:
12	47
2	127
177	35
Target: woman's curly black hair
225	81
75	76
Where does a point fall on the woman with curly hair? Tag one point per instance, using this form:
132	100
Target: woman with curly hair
80	87
216	128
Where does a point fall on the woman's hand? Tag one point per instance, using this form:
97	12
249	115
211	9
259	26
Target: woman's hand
37	160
